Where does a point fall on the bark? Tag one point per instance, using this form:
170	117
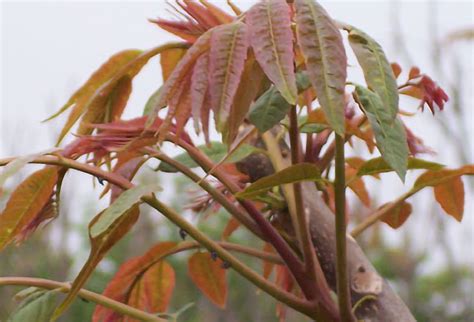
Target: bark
381	303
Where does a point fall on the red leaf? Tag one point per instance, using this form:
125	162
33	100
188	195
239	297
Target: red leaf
450	195
272	41
209	277
398	215
153	290
229	45
357	185
199	87
120	286
232	225
27	204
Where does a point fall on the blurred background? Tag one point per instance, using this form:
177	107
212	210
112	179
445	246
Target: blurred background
48	49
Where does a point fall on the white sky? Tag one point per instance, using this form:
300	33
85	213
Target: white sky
48	49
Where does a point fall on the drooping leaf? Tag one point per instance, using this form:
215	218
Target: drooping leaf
216	151
397	216
379	165
220	15
295	173
38	307
389	133
183	69
16	165
125	280
119	208
26	202
229	44
152	292
101	243
209	277
270	108
267	266
450	196
152	104
272	42
169	59
377	70
325	57
232	225
81	98
435	177
251	83
357	185
199	87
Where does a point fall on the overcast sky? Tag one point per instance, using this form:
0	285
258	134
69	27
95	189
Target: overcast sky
48	49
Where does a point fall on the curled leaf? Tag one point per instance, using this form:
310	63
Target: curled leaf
450	196
397	216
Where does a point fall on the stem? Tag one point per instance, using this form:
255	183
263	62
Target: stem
217	195
279	164
377	215
85	294
283	249
281	295
302	224
343	292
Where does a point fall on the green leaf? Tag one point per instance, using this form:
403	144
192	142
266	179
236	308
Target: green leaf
379	165
38	307
377	70
325	58
271	107
295	173
390	134
153	102
120	207
216	152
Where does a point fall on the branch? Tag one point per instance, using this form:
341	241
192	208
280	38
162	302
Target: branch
85	294
343	293
289	299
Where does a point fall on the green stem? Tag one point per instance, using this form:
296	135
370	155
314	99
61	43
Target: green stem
85	294
302	224
343	292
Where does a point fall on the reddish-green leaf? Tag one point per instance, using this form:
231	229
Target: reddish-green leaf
169	59
173	86
295	173
119	288
229	45
268	266
250	85
377	70
209	277
81	98
450	195
152	292
272	41
325	57
199	87
397	216
26	203
100	245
